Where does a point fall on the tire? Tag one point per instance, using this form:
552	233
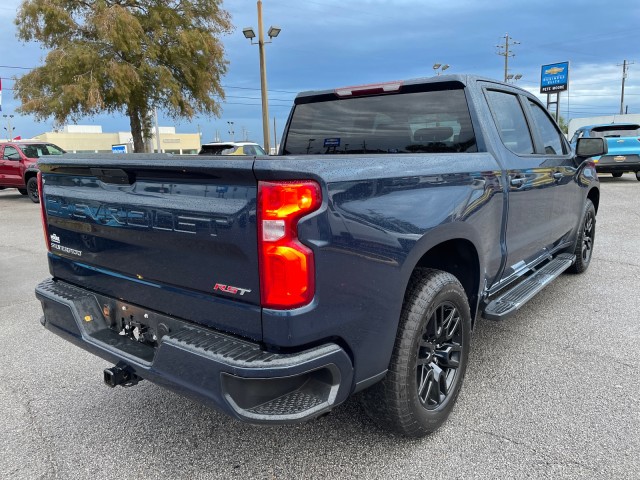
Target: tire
638	176
583	249
23	191
32	189
429	358
616	174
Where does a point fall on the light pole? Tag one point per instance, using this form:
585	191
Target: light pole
231	131
9	130
250	34
439	68
514	78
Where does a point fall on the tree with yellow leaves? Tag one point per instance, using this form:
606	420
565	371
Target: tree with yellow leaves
124	56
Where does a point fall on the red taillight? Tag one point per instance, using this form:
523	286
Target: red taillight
43	213
287	274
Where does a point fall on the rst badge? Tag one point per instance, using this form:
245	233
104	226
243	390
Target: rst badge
230	289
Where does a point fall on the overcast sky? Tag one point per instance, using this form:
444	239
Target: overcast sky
331	43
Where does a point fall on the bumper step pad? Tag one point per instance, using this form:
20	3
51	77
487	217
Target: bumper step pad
510	301
237	376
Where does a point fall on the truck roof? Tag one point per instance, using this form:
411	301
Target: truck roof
612	124
464	79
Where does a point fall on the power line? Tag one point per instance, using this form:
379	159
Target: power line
224	86
12	66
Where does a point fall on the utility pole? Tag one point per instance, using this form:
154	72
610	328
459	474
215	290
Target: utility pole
625	65
505	51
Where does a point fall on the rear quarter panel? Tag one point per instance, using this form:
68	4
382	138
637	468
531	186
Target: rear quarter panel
371	231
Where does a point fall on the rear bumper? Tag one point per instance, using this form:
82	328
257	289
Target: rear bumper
232	375
627	163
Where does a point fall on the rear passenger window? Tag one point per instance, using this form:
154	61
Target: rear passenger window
511	122
550	135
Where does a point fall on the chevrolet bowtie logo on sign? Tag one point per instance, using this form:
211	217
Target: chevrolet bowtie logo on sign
554	71
554	77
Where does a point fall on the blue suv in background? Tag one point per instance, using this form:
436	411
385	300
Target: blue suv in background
623	140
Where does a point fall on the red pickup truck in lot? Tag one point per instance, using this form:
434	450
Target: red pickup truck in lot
18	167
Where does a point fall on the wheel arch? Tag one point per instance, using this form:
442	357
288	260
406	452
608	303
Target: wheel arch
594	196
457	255
29	174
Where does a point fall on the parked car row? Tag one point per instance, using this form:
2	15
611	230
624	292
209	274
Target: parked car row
18	160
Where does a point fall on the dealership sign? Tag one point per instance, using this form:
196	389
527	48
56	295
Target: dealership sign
554	78
121	148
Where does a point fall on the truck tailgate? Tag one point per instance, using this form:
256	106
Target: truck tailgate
159	231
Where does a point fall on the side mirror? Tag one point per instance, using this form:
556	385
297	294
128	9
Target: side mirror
591	147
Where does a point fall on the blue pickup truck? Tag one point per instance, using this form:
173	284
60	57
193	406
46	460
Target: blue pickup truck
359	259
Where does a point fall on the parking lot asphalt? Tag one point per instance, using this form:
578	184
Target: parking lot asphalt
552	392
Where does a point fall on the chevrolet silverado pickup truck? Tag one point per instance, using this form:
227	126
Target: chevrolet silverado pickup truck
359	259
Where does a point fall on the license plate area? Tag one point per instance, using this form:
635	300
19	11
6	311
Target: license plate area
131	329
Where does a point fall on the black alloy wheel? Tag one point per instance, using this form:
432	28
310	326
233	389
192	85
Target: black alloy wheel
439	354
585	240
429	358
588	236
32	189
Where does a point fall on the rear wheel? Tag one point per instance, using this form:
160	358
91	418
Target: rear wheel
583	249
616	174
638	176
32	189
429	359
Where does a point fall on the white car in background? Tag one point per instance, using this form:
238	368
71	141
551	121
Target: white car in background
231	148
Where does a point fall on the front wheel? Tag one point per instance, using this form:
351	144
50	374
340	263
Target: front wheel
32	189
429	358
638	176
583	249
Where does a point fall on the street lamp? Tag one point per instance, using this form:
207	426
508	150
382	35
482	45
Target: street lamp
513	77
231	130
250	34
439	68
9	130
